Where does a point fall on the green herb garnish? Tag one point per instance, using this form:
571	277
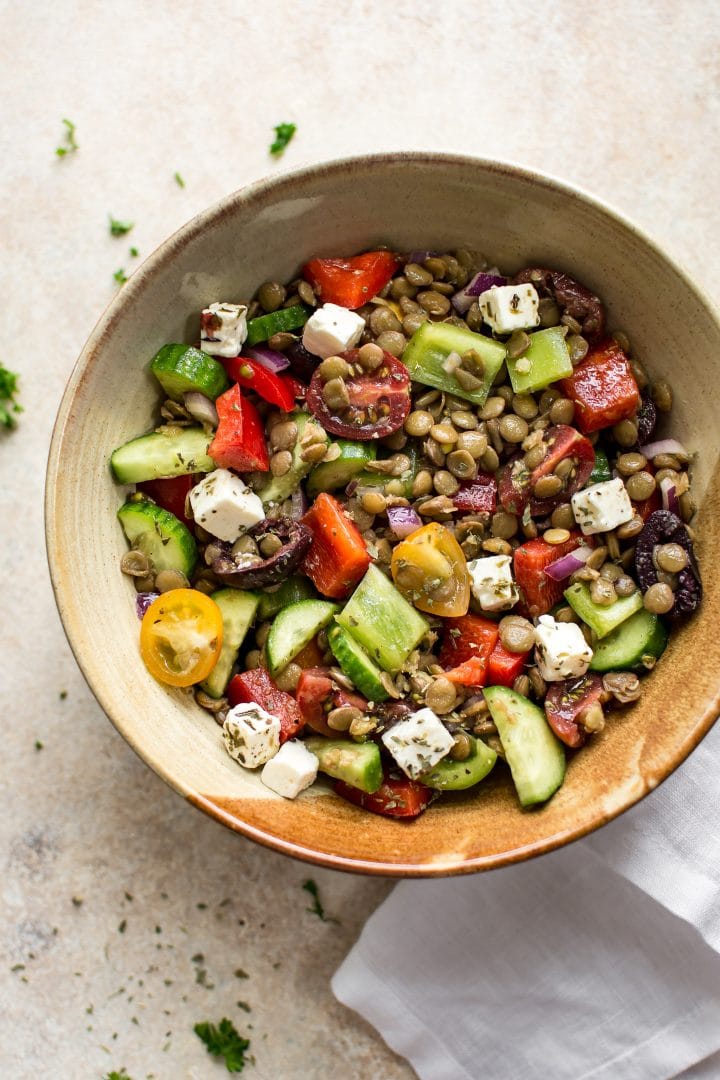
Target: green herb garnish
224	1041
134	252
178	179
119	228
317	909
72	146
120	276
8	403
114	1075
283	135
38	744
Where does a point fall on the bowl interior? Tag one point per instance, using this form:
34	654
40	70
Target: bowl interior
266	232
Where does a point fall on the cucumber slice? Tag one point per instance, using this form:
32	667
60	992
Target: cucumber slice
181	369
357	665
429	348
292	590
279	488
601	469
331	475
159	535
549	359
450	775
536	758
602	620
293	628
238	612
150	457
358	764
371	479
262	328
382	621
643	634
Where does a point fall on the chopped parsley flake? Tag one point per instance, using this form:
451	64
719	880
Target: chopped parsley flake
9	406
283	135
115	1075
134	252
224	1041
120	276
72	145
178	179
38	744
119	228
317	909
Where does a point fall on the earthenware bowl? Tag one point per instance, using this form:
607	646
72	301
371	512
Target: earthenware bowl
267	231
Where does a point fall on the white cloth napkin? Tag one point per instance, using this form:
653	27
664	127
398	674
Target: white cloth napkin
601	960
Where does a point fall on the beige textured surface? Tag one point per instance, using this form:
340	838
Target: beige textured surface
626	105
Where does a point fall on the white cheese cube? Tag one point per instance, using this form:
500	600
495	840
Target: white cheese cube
224	505
492	582
251	735
418	742
291	770
561	650
602	507
332	329
223	329
510	307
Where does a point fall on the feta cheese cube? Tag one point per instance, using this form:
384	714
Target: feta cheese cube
492	582
223	329
602	507
224	505
510	307
561	650
251	735
332	329
291	770
418	742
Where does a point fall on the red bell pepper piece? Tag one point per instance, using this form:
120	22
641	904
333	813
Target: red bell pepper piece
170	492
538	592
477	495
272	387
351	282
239	441
465	649
397	797
317	695
504	666
258	686
603	388
337	558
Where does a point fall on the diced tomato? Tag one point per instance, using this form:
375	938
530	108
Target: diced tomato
465	649
603	388
378	401
478	495
337	558
258	686
565	702
299	389
538	592
275	388
397	797
309	657
170	493
517	481
317	694
504	666
351	282
239	441
648	506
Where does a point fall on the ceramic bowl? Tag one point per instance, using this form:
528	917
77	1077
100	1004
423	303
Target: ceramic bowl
267	231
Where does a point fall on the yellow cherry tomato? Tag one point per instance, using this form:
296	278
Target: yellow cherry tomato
430	570
181	637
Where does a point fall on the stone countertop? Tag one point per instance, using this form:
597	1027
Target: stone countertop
127	916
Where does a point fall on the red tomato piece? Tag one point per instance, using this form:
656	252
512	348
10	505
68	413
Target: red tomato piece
538	592
397	797
170	493
478	495
351	282
317	695
603	388
239	441
465	649
258	686
565	701
504	666
517	481
337	558
277	389
378	403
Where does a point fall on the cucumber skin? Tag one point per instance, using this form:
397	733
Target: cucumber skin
284	642
291	591
177	551
430	346
182	369
380	619
357	764
547	349
343	648
238	609
279	488
506	708
603	620
450	775
353	458
264	326
607	656
155	456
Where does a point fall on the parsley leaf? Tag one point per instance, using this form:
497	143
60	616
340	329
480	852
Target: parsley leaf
72	145
120	276
134	252
8	403
178	179
283	135
317	909
114	1075
119	228
224	1041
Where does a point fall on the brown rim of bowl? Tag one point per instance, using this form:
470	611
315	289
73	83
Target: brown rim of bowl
160	257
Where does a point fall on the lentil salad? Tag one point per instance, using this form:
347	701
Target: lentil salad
406	516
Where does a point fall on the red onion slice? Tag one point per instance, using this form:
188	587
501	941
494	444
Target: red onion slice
668	493
269	358
403	520
299	503
143	600
664	446
201	408
462	301
566	565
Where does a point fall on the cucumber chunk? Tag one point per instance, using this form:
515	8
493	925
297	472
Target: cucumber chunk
643	634
549	359
293	628
279	488
153	456
159	535
429	348
238	612
536	758
357	665
603	620
372	479
450	775
182	369
292	590
262	328
331	475
358	764
382	621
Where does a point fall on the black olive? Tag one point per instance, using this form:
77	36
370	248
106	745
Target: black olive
646	419
664	527
296	539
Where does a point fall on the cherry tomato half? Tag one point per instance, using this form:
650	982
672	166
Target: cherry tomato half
378	403
181	637
430	570
517	482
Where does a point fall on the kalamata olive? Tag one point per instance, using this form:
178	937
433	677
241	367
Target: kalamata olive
296	539
645	418
388	713
566	701
302	363
571	297
664	527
